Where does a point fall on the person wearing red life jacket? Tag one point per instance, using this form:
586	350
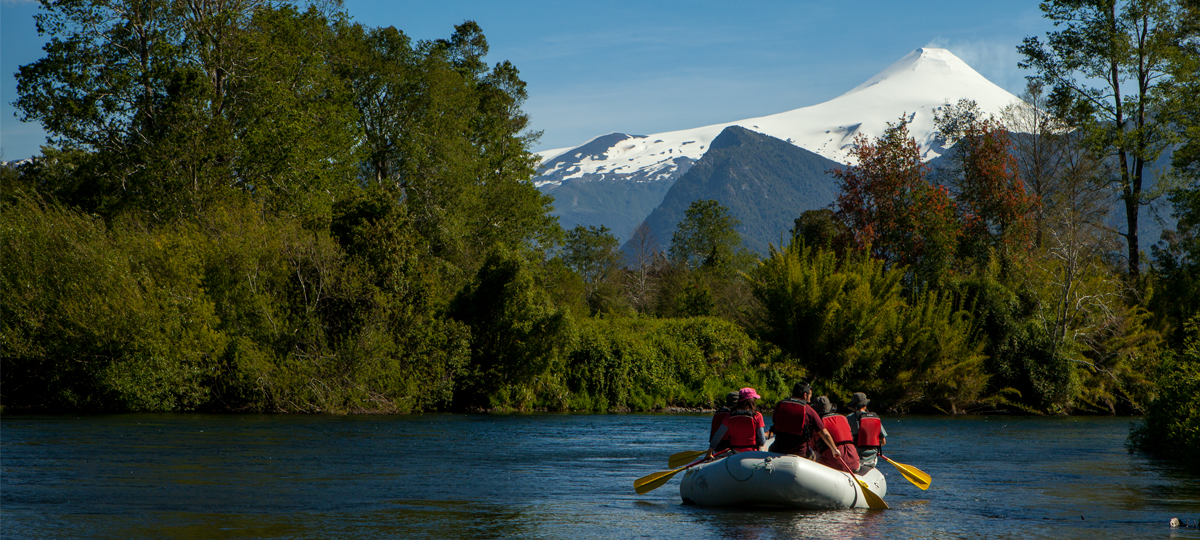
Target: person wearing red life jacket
797	427
744	426
839	429
867	430
731	400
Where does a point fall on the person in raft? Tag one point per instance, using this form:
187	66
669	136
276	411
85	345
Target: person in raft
796	426
839	429
744	426
731	400
867	430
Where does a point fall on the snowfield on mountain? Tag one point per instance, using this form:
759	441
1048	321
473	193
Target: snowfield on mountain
915	86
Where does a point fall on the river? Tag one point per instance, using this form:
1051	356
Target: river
193	476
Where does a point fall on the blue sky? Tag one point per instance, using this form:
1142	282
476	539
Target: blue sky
659	65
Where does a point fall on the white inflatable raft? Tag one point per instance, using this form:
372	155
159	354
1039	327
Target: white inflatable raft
769	479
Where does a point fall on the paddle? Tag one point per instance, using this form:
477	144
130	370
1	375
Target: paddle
912	474
682	458
873	500
654	481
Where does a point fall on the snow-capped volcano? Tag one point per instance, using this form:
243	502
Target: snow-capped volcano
915	86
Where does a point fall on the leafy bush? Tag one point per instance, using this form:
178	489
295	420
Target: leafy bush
1171	428
236	311
516	334
643	364
99	319
833	317
844	321
1020	357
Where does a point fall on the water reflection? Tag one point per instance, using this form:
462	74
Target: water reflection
548	476
833	525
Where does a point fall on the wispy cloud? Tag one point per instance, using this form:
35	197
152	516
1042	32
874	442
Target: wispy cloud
996	60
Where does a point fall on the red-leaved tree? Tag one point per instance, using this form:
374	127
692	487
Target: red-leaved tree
996	209
889	207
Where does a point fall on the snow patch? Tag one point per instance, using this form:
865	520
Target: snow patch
913	87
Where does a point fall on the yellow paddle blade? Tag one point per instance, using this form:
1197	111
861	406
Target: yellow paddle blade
683	458
651	482
912	474
873	500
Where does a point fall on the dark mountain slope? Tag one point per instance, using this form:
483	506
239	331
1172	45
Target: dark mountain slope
618	200
765	182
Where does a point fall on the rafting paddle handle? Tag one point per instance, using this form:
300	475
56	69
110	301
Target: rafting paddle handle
912	474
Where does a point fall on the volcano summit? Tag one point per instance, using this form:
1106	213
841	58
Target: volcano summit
617	179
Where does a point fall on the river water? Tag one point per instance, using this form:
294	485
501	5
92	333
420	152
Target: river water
549	476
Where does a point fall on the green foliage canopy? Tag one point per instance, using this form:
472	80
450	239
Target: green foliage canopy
846	323
707	238
1110	63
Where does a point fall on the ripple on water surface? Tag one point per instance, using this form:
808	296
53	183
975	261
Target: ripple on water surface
549	476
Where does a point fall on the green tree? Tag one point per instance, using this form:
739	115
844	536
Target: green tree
593	252
706	259
1182	93
645	363
516	334
596	255
833	316
111	73
293	116
1021	356
95	318
506	207
1082	310
415	110
1176	296
1110	62
394	318
162	106
449	136
819	229
708	238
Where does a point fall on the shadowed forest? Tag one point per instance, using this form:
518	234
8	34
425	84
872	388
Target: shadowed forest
257	206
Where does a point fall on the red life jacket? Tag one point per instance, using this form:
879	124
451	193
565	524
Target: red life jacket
789	417
740	430
869	430
717	420
838	428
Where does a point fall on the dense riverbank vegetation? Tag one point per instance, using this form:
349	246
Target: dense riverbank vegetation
273	208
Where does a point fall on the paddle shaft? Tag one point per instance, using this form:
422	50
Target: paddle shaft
680	458
654	481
